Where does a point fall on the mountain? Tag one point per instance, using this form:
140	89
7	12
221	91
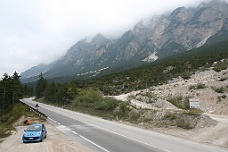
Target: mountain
153	39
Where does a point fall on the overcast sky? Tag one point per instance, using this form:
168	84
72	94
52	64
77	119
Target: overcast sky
40	31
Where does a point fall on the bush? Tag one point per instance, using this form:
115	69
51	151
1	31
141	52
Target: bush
223	79
179	102
169	116
121	110
224	96
197	86
219	89
134	115
107	104
88	97
186	75
123	107
200	86
183	124
221	66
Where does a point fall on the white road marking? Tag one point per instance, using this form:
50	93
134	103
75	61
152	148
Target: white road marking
94	143
106	131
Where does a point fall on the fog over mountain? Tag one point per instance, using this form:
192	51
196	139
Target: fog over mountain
150	39
34	32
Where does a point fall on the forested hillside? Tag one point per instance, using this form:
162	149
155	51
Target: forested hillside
183	65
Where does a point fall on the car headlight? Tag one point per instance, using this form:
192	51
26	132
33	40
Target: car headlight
39	133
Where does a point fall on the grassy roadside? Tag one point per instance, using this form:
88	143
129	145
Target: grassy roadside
7	122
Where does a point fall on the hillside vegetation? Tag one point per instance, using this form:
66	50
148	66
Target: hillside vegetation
91	96
95	96
159	72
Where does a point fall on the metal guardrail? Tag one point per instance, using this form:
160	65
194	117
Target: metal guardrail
35	110
42	115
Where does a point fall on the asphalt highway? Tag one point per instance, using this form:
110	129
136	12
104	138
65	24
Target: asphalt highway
107	136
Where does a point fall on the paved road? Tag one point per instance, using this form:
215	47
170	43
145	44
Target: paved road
102	135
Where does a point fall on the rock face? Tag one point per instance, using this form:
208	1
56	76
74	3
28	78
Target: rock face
159	37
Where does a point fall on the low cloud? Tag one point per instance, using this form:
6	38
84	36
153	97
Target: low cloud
34	32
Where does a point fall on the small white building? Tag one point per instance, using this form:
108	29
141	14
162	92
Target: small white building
194	103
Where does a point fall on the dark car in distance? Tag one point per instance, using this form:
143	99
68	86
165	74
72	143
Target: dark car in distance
34	133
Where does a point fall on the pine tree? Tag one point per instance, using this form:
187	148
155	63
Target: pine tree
41	85
16	86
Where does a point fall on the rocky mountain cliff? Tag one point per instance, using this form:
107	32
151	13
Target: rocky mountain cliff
149	40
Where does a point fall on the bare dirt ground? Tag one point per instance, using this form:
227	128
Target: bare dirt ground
56	141
214	134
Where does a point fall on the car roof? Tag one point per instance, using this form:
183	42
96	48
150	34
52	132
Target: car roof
36	124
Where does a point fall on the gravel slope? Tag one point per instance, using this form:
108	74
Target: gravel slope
211	103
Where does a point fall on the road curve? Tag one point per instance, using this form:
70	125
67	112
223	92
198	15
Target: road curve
108	136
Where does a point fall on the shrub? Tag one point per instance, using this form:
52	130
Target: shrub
169	116
183	124
221	66
88	97
224	96
219	89
179	102
123	107
186	75
107	104
197	86
223	79
200	86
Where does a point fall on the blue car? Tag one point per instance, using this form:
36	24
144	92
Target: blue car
34	133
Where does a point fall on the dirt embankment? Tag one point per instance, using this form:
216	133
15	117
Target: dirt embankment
215	134
213	103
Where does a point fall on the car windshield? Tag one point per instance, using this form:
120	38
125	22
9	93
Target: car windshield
34	128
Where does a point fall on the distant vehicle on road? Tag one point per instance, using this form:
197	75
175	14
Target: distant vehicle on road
37	105
34	133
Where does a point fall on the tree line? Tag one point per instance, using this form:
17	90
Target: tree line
11	91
